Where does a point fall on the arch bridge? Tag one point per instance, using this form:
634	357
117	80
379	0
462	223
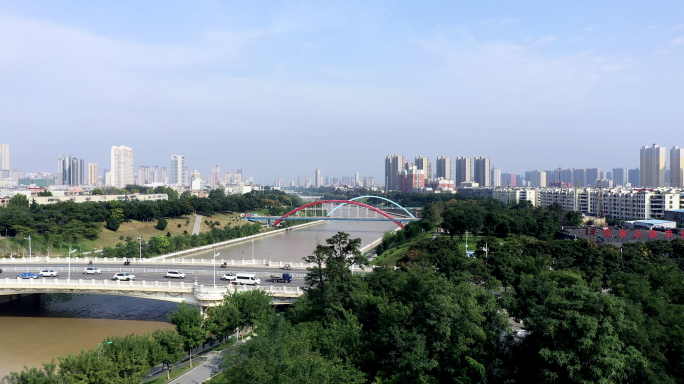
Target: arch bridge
340	210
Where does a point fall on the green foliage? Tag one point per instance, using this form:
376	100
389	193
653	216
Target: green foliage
161	224
46	375
113	223
45	193
19	200
170	347
97	191
190	326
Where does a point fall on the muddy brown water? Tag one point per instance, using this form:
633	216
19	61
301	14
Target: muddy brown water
38	328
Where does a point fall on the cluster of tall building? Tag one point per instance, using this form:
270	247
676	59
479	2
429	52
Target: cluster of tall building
318	180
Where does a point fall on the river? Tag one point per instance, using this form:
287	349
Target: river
39	328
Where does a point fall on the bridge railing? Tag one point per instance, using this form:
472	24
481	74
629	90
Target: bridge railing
44	260
188	271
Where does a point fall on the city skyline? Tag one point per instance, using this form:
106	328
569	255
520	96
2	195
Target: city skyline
519	83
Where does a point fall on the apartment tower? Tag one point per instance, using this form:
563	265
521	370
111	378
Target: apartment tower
93	174
179	171
652	166
122	166
464	170
393	164
676	170
4	157
423	163
444	168
482	171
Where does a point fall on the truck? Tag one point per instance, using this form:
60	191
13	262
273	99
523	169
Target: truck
282	278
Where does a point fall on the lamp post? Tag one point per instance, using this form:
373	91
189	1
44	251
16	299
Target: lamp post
69	272
140	238
215	254
29	239
98	348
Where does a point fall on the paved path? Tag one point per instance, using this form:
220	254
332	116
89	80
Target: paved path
196	227
202	372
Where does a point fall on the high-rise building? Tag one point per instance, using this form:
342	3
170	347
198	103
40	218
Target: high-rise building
318	179
122	166
393	164
408	179
634	177
509	180
423	163
619	177
143	175
676	167
566	177
538	179
216	176
496	177
179	171
367	182
579	176
93	174
164	176
228	178
237	178
357	180
652	166
4	157
444	168
593	174
482	171
464	170
64	170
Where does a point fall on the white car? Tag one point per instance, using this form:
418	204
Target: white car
92	271
48	273
123	276
229	277
175	274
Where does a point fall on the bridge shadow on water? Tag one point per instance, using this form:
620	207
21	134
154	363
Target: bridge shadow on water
84	306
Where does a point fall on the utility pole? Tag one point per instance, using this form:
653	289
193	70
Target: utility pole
29	239
140	238
215	254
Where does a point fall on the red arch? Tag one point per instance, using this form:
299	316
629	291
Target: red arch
351	202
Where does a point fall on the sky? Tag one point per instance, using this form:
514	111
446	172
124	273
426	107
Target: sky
281	88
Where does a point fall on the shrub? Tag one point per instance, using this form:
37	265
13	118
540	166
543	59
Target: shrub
161	224
113	223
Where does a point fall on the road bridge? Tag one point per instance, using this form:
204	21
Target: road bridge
205	296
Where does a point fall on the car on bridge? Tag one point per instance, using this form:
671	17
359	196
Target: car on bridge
28	275
92	271
175	274
229	277
123	276
247	279
48	273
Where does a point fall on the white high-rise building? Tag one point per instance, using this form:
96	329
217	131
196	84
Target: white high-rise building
496	177
93	174
464	170
482	171
216	176
179	171
424	164
676	167
318	179
619	177
164	177
444	168
122	166
652	166
228	178
538	179
237	177
4	157
393	164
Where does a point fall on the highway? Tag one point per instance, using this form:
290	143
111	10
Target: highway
156	272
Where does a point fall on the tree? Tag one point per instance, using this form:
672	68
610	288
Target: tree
161	224
19	200
189	324
45	193
253	307
171	350
224	319
34	375
97	191
113	223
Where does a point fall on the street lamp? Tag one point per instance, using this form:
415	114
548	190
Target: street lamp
70	252
140	238
29	239
215	254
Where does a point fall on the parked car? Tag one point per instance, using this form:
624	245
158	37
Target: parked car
92	271
175	274
28	275
229	277
247	279
123	276
48	273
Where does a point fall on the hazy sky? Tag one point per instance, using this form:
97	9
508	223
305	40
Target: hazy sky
280	88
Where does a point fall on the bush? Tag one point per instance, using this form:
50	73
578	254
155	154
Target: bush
161	224
113	223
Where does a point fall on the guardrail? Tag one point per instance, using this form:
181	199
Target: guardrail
79	270
200	291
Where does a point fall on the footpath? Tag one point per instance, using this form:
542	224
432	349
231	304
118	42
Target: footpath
202	372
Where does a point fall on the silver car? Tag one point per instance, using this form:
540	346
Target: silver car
48	273
175	274
92	271
123	276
